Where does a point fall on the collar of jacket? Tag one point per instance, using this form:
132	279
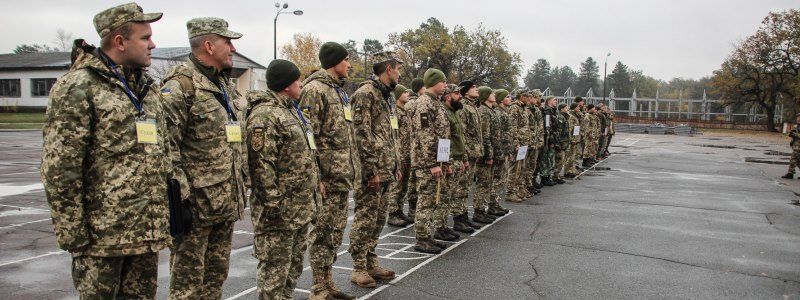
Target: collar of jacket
376	82
210	73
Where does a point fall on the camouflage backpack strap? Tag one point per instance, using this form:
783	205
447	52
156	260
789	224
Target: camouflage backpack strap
184	78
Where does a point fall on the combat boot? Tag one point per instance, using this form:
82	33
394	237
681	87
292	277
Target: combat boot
546	181
789	175
452	232
481	217
319	291
439	244
409	219
460	224
442	234
514	199
412	212
396	220
362	278
499	208
380	273
559	181
586	163
427	246
474	223
494	212
332	289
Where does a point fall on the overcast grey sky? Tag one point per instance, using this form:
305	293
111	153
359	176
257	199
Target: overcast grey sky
666	38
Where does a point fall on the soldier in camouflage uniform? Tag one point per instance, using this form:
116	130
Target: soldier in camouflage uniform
328	107
794	161
205	116
285	180
536	124
484	176
601	140
574	140
397	189
502	153
377	134
591	134
610	116
520	131
417	90
547	160
106	181
473	145
454	197
429	124
561	134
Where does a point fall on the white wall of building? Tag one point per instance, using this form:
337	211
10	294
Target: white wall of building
26	98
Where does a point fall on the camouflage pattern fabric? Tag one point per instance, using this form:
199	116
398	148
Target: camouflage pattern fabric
119	277
199	262
280	261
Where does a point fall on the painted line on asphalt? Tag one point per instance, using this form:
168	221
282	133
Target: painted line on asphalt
25	223
490	225
3	264
19	173
23	207
610	156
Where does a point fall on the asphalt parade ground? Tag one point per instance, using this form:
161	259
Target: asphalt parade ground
663	217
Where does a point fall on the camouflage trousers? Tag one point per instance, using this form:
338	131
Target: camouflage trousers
458	185
427	204
483	187
396	195
608	141
326	235
560	163
368	221
590	148
601	144
280	261
199	262
499	181
572	158
546	162
794	160
531	162
516	181
120	277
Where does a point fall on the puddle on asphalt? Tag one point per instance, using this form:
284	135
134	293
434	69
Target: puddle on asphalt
714	146
764	161
713	139
777	153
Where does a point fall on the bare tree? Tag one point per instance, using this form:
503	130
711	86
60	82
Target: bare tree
63	40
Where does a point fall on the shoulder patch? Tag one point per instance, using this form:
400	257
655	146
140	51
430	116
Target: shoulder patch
257	138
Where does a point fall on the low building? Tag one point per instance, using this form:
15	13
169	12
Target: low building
26	79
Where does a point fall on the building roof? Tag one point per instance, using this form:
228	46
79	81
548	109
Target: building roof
181	53
31	61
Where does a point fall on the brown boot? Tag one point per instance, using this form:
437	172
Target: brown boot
380	273
332	289
318	290
361	278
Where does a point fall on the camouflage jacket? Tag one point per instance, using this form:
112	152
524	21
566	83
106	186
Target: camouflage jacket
324	102
211	170
591	127
603	119
611	120
457	142
504	133
536	123
549	136
404	146
283	166
795	135
428	125
574	121
488	131
519	124
561	130
107	192
373	107
473	136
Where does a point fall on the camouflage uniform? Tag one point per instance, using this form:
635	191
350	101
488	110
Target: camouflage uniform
429	124
201	104
561	134
547	159
396	195
285	178
502	150
374	106
455	196
574	142
611	131
602	138
325	103
794	160
591	135
473	145
106	191
536	123
411	196
489	130
520	131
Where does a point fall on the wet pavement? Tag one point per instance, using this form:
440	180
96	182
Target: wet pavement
664	217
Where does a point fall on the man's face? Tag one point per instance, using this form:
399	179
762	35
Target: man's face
537	100
221	51
491	100
456	96
551	102
507	101
438	89
403	98
565	109
294	89
136	49
394	73
472	92
342	67
582	104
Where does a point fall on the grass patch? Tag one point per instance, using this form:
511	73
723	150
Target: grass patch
22	117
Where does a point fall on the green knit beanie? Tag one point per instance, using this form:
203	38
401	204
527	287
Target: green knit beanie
281	74
432	77
331	54
399	90
417	84
483	93
500	94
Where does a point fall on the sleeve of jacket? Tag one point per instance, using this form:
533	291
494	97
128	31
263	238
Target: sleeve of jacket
405	139
314	106
263	164
176	112
66	136
486	130
363	103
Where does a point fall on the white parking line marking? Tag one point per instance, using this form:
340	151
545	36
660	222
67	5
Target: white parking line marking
343	268
23	207
490	225
3	264
11	190
25	223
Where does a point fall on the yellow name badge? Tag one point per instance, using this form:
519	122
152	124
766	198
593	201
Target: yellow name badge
393	122
311	143
234	132
146	132
348	114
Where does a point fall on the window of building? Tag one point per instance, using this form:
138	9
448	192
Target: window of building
40	87
9	88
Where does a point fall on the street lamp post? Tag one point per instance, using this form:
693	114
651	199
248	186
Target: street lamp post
605	70
275	25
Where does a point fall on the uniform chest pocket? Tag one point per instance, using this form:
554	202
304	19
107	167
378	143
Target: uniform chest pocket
208	118
295	135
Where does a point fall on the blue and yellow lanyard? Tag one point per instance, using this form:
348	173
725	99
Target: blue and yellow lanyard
131	96
227	103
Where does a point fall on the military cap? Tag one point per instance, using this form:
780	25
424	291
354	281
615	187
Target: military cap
465	86
331	54
536	93
106	21
451	88
399	90
385	56
500	94
416	84
203	26
516	93
484	92
432	77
